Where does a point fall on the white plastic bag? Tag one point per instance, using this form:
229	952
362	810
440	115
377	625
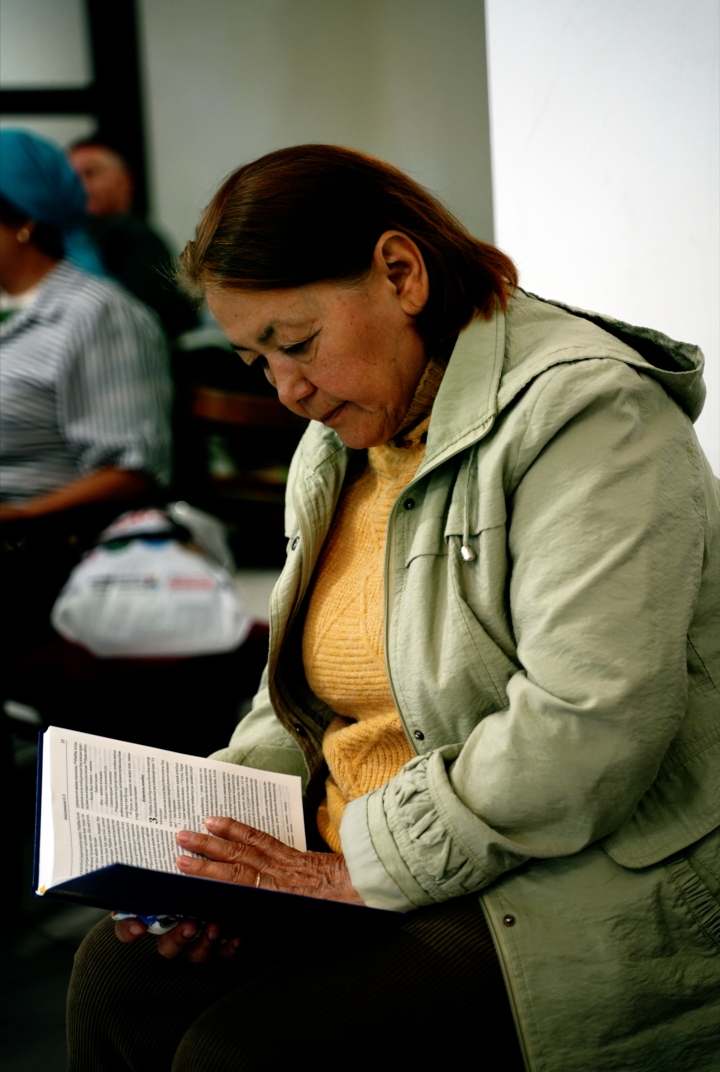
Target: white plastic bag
143	593
207	532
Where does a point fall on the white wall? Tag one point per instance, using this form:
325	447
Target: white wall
44	44
605	138
229	80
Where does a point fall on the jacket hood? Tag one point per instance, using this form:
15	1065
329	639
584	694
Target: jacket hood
677	365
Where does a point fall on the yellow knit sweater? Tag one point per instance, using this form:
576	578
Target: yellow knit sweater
343	651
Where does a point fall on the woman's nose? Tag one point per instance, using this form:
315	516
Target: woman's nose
288	381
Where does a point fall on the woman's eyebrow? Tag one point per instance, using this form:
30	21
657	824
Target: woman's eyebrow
266	333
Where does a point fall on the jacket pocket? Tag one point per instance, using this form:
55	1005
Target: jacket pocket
692	873
478	595
452	505
427	539
683	803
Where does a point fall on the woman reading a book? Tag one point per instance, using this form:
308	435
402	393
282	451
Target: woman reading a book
491	662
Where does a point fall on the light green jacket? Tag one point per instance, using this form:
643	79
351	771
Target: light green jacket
560	688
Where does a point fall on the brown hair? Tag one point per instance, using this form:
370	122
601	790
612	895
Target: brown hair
314	213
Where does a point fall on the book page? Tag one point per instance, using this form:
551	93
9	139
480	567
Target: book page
107	801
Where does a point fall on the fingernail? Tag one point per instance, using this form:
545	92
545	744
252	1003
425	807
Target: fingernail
212	821
184	861
188	931
183	837
136	929
234	944
213	932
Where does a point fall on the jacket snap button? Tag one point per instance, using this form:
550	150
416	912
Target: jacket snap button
419	735
300	730
409	503
295	542
509	921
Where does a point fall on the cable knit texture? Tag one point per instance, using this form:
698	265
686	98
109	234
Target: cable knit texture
343	648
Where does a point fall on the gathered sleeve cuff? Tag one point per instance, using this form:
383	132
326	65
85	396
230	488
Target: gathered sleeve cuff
375	885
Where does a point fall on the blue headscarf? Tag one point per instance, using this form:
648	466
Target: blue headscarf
36	179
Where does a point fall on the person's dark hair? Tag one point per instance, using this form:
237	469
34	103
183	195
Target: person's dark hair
100	140
45	236
314	213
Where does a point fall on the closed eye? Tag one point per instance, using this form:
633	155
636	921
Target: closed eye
299	347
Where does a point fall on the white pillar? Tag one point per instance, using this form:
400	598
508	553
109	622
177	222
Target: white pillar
605	141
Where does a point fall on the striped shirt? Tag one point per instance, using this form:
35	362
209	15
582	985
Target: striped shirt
84	384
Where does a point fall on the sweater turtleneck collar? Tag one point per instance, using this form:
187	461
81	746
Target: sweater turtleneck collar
417	418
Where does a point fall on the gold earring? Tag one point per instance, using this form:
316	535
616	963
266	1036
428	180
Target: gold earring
23	235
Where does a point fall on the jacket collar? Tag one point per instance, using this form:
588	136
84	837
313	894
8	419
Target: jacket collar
467	402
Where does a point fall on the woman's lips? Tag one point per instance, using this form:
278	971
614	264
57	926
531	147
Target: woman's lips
334	414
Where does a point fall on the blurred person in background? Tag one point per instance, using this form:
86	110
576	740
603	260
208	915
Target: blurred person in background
131	252
84	381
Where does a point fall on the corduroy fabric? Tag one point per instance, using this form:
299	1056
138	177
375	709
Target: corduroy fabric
343	649
129	1010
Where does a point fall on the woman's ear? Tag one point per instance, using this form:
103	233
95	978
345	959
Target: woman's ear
398	259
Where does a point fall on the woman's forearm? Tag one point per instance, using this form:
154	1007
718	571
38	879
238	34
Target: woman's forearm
102	485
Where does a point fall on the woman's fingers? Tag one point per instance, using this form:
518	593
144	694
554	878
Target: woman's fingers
229	948
232	830
239	873
246	838
217	848
191	938
129	930
205	944
246	849
177	941
197	942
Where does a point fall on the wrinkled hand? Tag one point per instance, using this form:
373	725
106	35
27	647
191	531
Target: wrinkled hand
238	853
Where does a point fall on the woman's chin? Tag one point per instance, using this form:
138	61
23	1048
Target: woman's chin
356	429
360	439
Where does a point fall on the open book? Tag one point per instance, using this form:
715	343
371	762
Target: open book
108	812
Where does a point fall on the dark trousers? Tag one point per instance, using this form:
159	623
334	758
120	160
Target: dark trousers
427	990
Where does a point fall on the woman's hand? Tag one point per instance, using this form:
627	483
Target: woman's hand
238	853
248	857
197	941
